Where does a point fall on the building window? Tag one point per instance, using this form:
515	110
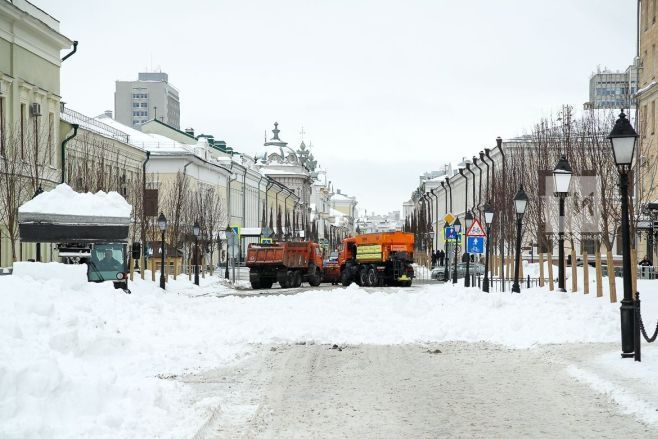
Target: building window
144	105
2	126
51	138
135	104
22	127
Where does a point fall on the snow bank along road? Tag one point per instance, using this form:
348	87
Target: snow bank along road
408	391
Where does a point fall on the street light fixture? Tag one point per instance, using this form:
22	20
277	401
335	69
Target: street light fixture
38	192
162	224
561	181
457	226
623	139
228	233
196	230
488	219
469	223
446	258
520	204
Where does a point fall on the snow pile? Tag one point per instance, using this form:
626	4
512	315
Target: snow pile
65	201
80	359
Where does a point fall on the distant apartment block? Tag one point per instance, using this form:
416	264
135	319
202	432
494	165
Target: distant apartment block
150	97
613	89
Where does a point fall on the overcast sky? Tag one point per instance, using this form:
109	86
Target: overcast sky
385	90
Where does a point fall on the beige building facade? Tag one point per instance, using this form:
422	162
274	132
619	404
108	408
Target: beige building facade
30	62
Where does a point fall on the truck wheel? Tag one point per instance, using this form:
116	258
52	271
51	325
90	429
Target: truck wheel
371	277
405	283
362	277
297	279
255	284
267	284
345	278
315	279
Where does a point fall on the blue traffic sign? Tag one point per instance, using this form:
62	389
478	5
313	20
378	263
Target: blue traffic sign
475	244
451	235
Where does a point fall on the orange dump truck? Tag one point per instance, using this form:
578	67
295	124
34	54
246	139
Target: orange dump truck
289	263
377	259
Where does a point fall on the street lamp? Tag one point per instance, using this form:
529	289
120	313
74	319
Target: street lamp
162	224
623	139
446	258
488	219
228	232
469	223
457	225
38	192
520	204
561	181
196	230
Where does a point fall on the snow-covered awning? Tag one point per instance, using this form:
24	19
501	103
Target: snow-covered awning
63	200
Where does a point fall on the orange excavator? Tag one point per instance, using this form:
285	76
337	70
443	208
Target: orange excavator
377	259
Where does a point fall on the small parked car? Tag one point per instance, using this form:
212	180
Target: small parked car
474	268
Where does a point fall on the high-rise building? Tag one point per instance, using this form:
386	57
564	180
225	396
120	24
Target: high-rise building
150	97
613	89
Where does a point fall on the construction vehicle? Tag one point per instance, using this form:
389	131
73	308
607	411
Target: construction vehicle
377	259
331	269
288	263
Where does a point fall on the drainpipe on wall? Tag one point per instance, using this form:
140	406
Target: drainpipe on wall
75	49
64	142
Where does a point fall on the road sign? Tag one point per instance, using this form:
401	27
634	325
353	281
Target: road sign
451	235
449	218
236	230
475	244
266	232
266	241
476	229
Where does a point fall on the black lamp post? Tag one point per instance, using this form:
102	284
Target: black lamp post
488	219
162	223
228	233
469	222
623	139
196	230
446	258
457	225
38	192
561	181
520	203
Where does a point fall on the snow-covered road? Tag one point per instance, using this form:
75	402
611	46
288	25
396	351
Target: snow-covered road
409	391
85	360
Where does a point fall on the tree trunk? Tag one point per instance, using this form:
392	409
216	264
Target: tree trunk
132	268
599	275
611	276
551	284
541	270
585	271
142	267
153	269
574	270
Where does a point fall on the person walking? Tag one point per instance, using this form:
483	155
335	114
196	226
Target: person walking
442	257
433	259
